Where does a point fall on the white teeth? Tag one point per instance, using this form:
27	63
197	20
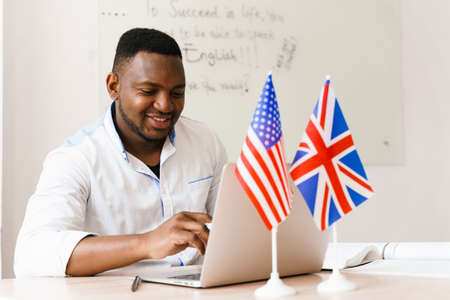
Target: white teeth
160	119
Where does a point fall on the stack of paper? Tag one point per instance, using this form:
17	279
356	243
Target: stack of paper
420	259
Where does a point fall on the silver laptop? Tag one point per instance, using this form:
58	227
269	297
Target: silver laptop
239	245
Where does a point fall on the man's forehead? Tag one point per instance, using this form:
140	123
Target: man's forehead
147	64
148	59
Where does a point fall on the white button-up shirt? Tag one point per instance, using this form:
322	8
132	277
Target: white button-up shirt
91	185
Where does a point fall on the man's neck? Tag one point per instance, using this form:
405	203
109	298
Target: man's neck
149	152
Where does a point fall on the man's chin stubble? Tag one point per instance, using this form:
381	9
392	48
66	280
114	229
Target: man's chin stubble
140	130
151	140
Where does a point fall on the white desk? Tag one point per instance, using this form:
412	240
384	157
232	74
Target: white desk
114	287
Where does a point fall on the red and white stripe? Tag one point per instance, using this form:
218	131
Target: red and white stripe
263	175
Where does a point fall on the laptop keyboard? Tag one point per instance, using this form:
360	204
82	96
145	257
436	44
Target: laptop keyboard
188	277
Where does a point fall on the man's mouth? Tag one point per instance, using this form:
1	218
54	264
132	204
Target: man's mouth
160	122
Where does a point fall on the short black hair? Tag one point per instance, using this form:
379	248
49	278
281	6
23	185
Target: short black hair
143	39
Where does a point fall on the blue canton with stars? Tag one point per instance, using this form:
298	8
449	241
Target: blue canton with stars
266	119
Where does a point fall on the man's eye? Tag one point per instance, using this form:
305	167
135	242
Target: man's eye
147	92
178	94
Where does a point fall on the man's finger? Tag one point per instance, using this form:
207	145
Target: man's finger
190	238
197	243
198	228
204	235
193	225
199	217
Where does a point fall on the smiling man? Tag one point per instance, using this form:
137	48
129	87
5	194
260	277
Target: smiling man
138	184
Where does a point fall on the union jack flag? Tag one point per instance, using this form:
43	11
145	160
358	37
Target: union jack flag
261	168
326	168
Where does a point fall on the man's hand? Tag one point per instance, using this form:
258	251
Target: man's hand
95	254
185	229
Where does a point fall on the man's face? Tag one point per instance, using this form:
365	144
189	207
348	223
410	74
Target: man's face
150	95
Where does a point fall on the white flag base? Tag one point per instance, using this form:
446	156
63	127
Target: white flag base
335	283
274	288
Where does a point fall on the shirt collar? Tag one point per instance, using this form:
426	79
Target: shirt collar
112	132
172	136
110	126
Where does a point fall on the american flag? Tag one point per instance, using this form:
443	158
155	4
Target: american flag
326	168
261	167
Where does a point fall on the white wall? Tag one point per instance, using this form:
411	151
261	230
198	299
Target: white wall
412	201
1	124
50	91
357	30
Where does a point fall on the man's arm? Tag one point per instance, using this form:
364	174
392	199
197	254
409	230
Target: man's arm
54	219
52	241
95	254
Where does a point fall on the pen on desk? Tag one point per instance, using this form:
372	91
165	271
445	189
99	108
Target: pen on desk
135	284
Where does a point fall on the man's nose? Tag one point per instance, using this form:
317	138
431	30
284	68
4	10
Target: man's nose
164	103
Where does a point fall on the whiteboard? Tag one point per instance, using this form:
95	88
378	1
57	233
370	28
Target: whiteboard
229	47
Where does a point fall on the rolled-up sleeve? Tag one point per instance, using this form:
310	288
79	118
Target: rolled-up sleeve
55	216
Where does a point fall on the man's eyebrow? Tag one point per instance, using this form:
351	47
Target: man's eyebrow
154	84
180	86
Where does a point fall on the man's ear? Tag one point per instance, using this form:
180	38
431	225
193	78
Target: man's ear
112	84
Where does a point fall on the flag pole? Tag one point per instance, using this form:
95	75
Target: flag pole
274	286
336	282
274	251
